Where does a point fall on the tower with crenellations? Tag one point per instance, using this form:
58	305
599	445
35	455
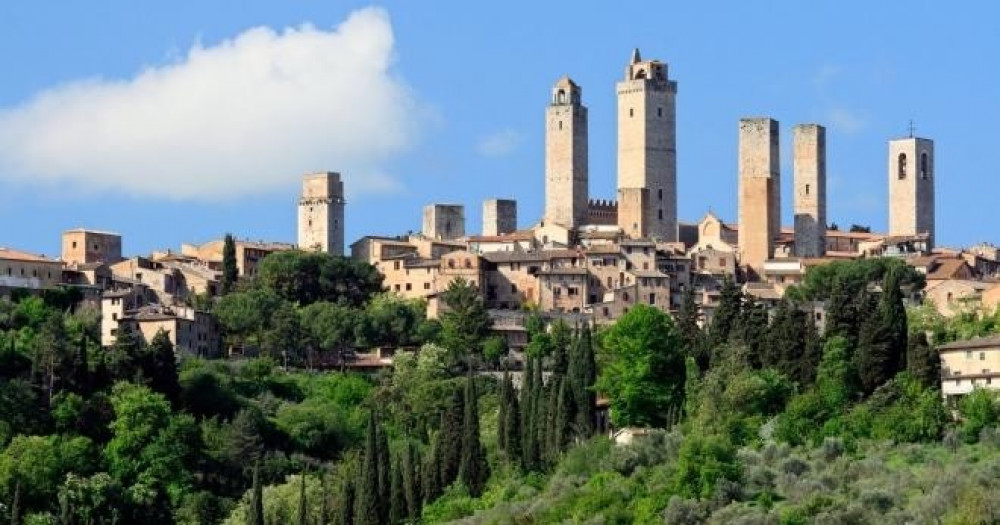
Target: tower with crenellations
759	191
647	151
809	167
911	188
566	175
321	213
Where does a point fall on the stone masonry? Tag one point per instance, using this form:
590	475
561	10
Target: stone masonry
444	222
566	175
647	151
759	191
809	166
321	213
911	187
499	217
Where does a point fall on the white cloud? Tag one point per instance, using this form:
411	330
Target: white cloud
826	74
499	144
242	117
846	121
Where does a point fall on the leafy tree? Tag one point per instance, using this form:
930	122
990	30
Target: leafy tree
922	361
465	323
978	411
330	326
473	470
248	313
494	349
162	368
643	371
703	461
230	271
283	338
308	277
256	510
751	329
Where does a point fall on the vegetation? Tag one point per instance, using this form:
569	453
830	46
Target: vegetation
757	418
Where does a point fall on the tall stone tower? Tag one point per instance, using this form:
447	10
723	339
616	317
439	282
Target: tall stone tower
444	222
321	213
911	187
566	177
647	150
499	217
809	165
759	191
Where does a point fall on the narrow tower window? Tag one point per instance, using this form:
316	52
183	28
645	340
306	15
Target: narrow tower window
901	166
659	193
807	189
659	112
560	125
561	97
925	171
630	112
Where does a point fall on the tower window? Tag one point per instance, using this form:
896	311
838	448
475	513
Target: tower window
630	112
807	189
925	171
901	166
659	193
659	214
659	112
560	125
561	97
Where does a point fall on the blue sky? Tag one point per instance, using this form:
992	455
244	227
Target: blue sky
109	120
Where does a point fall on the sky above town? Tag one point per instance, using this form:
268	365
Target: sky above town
176	122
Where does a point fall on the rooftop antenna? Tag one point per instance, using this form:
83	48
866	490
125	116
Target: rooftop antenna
912	128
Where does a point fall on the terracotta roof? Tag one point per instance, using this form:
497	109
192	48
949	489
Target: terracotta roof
564	271
604	250
509	237
651	274
947	269
17	255
497	257
981	342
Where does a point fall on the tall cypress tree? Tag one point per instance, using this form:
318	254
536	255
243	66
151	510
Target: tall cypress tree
411	480
529	437
512	423
256	509
367	493
81	369
303	509
230	271
841	313
687	325
812	354
473	471
431	475
564	407
398	509
449	449
538	414
163	376
582	382
502	445
752	330
384	474
882	342
347	497
551	419
726	314
893	315
324	502
15	505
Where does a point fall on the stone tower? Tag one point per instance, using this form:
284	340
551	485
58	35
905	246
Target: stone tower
647	151
499	217
444	222
321	213
566	178
809	166
911	187
759	191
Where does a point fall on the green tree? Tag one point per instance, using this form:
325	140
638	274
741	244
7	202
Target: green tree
162	367
978	410
450	438
411	480
752	330
923	362
230	271
431	480
347	494
494	349
529	435
282	340
397	495
384	474
465	323
690	331
582	376
727	312
473	471
308	277
643	372
303	511
882	341
256	509
367	494
702	462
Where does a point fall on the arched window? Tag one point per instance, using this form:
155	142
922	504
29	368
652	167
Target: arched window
901	166
561	96
925	170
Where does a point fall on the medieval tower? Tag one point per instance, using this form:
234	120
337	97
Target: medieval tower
759	191
911	187
321	213
647	151
809	167
566	177
499	217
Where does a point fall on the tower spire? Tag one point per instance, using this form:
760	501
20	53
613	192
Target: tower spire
636	58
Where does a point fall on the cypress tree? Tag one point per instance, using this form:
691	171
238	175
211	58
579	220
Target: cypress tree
882	343
512	424
15	505
726	314
432	476
449	450
529	440
473	471
163	376
367	492
384	474
502	415
841	313
923	361
687	325
65	510
303	510
81	369
230	271
537	416
893	315
873	357
398	509
551	418
411	480
347	498
812	354
583	380
324	503
562	419
256	509
752	330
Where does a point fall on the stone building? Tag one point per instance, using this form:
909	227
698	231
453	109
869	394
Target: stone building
809	166
248	254
83	246
444	221
22	270
967	365
759	191
321	213
192	332
566	176
499	217
911	187
647	151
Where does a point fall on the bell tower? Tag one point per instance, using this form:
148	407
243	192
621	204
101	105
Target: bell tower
911	187
566	176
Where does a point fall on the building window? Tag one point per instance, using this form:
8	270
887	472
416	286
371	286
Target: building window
652	298
630	112
427	286
114	316
607	313
901	166
968	354
925	171
982	356
409	287
659	214
659	112
560	125
513	288
807	189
